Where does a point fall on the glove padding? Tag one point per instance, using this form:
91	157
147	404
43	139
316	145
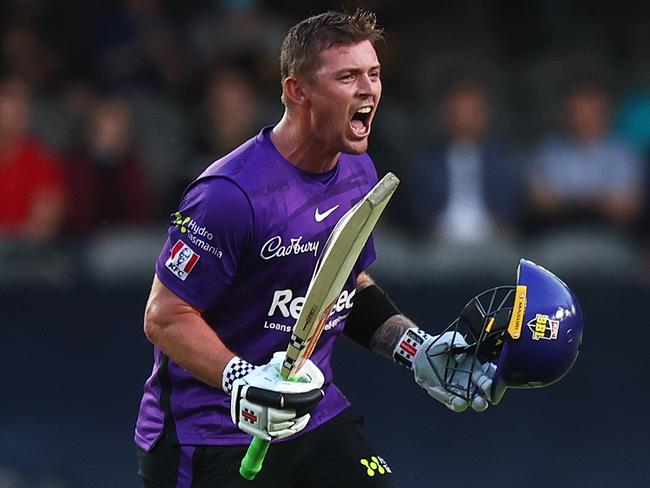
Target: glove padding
456	380
268	407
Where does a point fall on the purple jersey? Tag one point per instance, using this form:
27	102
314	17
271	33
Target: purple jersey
242	248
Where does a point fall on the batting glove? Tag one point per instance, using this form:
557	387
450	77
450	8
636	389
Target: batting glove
458	381
266	406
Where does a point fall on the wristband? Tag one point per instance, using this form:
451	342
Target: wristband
409	345
372	308
235	369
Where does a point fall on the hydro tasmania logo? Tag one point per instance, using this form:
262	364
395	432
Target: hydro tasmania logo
198	235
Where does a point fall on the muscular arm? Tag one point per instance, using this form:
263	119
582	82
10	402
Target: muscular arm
178	329
386	336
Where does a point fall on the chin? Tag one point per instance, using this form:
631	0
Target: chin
355	147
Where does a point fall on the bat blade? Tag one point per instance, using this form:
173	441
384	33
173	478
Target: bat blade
333	268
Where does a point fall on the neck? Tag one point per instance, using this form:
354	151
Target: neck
296	141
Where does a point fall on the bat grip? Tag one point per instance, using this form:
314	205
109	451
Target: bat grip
251	464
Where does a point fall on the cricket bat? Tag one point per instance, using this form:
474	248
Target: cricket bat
332	269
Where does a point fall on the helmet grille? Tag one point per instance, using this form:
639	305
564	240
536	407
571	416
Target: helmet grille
485	319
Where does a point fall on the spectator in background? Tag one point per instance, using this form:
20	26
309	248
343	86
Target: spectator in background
584	176
229	114
633	125
21	45
137	47
105	175
248	28
467	185
231	110
633	120
32	186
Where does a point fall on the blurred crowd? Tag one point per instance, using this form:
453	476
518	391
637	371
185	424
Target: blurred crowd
516	130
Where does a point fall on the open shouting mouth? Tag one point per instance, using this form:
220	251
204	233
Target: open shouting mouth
360	123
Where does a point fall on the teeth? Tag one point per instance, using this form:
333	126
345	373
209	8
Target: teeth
364	110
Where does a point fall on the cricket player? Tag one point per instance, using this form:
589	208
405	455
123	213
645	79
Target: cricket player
231	277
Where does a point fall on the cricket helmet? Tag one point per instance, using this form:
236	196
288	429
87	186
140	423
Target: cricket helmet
532	331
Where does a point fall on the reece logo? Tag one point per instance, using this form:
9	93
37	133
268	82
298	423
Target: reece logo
289	305
181	260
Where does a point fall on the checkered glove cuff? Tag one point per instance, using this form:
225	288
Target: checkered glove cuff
235	369
408	346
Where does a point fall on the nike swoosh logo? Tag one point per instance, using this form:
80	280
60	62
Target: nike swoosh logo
322	216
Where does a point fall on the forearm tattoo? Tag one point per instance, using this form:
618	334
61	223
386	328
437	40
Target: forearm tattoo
386	337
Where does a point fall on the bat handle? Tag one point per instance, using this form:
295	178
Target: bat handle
251	464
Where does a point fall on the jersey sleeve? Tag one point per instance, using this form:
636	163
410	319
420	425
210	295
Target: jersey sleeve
206	239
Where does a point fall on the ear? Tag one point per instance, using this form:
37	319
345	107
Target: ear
293	90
